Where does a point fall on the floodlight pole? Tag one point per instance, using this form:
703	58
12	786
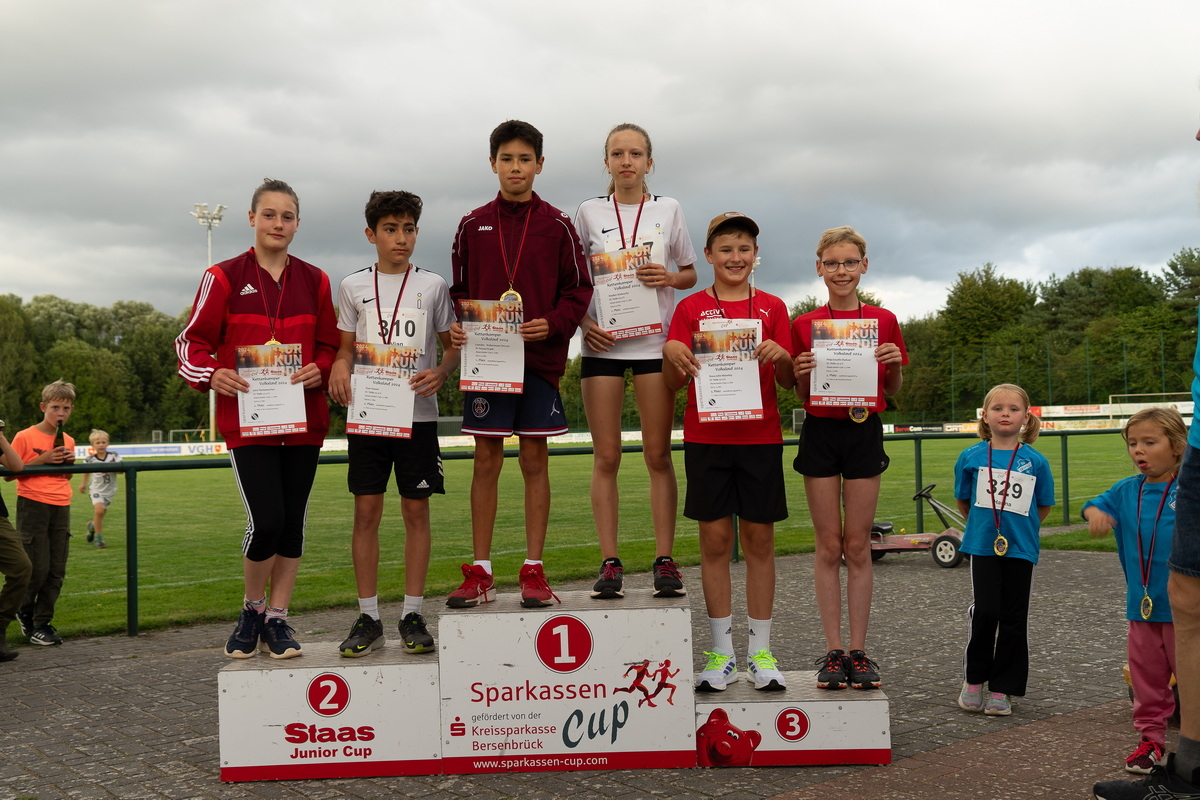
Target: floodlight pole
210	220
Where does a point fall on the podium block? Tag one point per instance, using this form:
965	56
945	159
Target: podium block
588	684
324	716
800	726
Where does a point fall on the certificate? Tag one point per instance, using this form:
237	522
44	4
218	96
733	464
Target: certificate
846	373
381	400
625	307
727	386
274	405
493	359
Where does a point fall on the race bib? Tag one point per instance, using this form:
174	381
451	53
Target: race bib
991	493
408	328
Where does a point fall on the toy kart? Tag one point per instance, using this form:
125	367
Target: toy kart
944	546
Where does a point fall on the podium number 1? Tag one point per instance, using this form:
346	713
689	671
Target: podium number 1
563	643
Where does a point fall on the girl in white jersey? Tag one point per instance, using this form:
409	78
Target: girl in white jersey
626	217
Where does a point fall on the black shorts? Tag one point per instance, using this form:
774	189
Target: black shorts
742	479
417	463
592	367
841	446
537	411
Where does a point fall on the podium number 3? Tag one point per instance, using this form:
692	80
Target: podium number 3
563	643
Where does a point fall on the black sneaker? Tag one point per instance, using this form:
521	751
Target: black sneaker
278	639
611	583
91	529
667	581
45	635
244	641
863	672
414	634
834	672
26	623
1163	783
365	636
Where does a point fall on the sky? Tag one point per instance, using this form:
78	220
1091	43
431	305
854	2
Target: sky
1039	136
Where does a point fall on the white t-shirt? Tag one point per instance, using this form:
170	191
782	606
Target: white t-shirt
662	223
425	304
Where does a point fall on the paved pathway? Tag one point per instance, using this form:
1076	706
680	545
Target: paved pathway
121	717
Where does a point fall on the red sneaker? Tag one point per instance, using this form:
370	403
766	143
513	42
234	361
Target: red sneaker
535	592
478	587
1146	755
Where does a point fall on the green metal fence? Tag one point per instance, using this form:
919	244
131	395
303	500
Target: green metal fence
131	469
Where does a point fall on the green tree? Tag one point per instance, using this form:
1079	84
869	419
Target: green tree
102	380
1181	281
19	390
982	302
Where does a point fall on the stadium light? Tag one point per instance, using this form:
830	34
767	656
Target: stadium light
210	220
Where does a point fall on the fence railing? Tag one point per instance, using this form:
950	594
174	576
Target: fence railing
131	470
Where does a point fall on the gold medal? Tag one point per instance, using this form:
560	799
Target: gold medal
1147	605
510	296
859	414
1000	546
272	340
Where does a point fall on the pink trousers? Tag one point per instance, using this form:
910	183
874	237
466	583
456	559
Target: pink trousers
1151	647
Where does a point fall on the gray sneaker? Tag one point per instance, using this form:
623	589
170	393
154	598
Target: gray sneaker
365	636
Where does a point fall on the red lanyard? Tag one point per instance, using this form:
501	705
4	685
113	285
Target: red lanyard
992	483
749	303
512	275
385	332
1145	563
637	219
278	303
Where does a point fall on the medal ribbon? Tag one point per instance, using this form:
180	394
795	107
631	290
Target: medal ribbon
749	303
387	337
278	303
1146	562
637	219
512	274
1004	497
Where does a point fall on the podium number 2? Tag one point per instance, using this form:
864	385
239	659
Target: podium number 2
563	643
328	694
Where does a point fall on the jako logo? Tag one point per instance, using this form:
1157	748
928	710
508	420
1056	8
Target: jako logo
485	227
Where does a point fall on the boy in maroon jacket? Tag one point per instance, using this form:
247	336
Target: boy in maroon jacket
518	243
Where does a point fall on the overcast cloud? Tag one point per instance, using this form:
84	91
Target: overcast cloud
1040	136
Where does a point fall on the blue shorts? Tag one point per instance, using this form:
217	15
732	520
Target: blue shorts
537	411
1185	544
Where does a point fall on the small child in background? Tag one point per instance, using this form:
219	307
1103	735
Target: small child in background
1140	511
1004	489
102	486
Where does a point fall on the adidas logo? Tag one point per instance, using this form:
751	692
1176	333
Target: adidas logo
248	289
423	484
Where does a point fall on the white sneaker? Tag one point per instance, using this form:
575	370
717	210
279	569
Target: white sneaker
763	670
719	672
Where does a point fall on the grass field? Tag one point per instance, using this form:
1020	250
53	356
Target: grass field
191	523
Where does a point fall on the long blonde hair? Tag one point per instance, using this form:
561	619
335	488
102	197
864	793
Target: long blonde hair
638	129
1030	428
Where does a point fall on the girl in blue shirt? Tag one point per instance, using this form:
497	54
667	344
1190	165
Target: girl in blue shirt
1004	489
1140	511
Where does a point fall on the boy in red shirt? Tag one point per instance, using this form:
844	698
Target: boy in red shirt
734	466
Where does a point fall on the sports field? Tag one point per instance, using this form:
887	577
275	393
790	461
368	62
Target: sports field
191	523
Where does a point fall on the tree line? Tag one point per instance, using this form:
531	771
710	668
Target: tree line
1071	340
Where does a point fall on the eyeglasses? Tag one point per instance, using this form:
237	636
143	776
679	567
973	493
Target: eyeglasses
852	266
